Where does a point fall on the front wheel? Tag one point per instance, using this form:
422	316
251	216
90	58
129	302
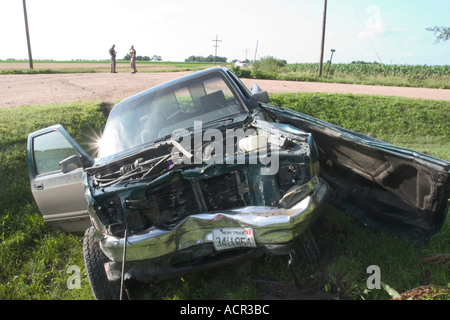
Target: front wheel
94	261
306	249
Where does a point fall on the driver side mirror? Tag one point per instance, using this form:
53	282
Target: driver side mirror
74	162
258	95
69	164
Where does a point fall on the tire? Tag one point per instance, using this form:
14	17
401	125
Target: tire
94	261
305	249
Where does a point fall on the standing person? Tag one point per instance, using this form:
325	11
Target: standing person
133	59
112	52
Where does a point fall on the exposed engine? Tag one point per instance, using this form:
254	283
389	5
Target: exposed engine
155	188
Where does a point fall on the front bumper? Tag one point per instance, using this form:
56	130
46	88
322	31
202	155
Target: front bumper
273	229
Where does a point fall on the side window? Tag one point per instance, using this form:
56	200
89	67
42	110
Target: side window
49	149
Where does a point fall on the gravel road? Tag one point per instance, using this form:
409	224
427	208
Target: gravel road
20	90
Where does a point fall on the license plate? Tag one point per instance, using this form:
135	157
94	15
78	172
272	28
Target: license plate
227	238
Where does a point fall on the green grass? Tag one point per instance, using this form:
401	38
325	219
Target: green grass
34	258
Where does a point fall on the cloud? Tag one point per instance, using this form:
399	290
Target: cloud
401	29
413	40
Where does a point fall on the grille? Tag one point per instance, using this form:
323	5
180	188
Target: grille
223	192
184	198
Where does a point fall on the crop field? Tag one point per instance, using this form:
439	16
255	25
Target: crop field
375	73
375	69
35	260
356	73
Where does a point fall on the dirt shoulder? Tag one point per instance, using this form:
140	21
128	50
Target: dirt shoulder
20	90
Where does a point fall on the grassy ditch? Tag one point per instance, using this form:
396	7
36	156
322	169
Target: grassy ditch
35	260
33	257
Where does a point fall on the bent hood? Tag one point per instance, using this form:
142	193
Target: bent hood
387	188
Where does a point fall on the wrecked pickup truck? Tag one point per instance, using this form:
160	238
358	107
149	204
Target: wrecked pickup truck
200	171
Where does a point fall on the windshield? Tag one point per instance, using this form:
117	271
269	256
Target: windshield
159	113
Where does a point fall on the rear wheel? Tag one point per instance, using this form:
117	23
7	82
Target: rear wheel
94	260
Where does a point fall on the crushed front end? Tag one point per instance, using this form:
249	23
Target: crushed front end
173	216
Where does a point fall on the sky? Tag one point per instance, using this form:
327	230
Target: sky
386	31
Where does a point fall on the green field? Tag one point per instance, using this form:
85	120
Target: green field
35	259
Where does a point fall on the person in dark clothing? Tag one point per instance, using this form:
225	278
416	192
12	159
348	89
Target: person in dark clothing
112	52
133	59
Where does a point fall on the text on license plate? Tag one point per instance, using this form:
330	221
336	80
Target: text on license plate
226	238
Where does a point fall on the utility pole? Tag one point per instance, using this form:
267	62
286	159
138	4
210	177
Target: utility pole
323	37
256	51
28	34
215	46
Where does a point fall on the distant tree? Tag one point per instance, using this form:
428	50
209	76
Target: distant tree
271	64
441	33
143	58
209	58
268	67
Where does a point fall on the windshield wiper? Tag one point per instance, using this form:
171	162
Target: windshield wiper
232	119
161	139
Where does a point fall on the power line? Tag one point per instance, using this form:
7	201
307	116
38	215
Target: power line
370	40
